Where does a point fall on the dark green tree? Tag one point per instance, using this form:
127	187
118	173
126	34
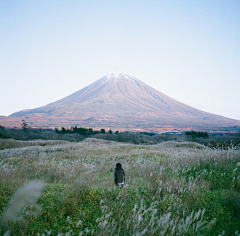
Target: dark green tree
90	131
24	125
64	131
2	129
3	132
57	131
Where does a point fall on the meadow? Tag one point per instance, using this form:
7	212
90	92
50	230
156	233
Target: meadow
67	188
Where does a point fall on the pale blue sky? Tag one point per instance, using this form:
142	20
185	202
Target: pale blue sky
188	49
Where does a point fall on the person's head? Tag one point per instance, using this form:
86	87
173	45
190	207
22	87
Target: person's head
118	165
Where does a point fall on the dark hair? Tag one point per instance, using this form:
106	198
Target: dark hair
118	165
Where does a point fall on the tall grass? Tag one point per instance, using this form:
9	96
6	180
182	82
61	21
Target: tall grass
25	197
172	188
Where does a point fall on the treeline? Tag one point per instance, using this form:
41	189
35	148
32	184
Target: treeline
78	134
150	134
81	130
197	134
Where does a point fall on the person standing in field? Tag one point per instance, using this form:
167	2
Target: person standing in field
119	176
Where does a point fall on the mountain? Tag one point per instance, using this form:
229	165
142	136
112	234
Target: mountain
122	101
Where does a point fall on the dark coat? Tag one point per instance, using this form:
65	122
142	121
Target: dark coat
119	175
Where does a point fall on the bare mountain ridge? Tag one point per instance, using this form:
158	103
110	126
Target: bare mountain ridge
120	100
118	90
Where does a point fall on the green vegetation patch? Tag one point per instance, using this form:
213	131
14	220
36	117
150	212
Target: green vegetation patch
168	191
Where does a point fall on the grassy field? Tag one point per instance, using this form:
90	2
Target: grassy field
66	188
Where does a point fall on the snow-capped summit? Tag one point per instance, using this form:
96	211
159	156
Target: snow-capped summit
118	76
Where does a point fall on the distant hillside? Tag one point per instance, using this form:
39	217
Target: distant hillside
122	101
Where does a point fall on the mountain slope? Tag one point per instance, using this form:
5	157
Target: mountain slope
120	100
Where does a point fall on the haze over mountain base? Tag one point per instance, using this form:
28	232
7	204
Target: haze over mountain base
121	102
